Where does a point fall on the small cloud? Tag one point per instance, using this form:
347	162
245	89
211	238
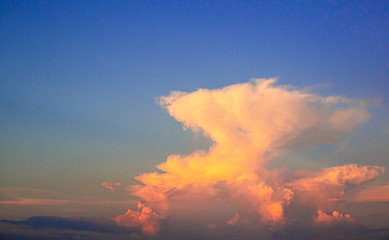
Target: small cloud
335	217
110	186
145	218
372	194
234	219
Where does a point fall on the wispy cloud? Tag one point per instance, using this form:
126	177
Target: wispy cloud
18	203
110	186
59	202
372	194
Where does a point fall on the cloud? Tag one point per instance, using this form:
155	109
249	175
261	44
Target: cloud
59	202
330	183
323	218
16	203
234	219
110	186
145	218
372	194
36	201
249	124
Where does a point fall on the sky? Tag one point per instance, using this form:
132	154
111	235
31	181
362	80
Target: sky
194	117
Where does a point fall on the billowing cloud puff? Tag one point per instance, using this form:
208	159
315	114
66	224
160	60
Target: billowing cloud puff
249	124
335	217
144	218
110	186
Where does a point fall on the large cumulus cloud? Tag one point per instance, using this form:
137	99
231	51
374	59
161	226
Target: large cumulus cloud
230	184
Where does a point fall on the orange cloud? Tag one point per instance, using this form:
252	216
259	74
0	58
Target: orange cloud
323	218
249	124
144	218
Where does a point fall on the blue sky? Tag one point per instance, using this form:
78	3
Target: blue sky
79	80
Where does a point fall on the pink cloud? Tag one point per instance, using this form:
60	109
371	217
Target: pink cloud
110	186
331	182
371	194
145	218
335	176
234	219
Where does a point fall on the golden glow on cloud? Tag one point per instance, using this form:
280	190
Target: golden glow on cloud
249	123
323	218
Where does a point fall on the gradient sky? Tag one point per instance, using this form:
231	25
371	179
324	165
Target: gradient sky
79	83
